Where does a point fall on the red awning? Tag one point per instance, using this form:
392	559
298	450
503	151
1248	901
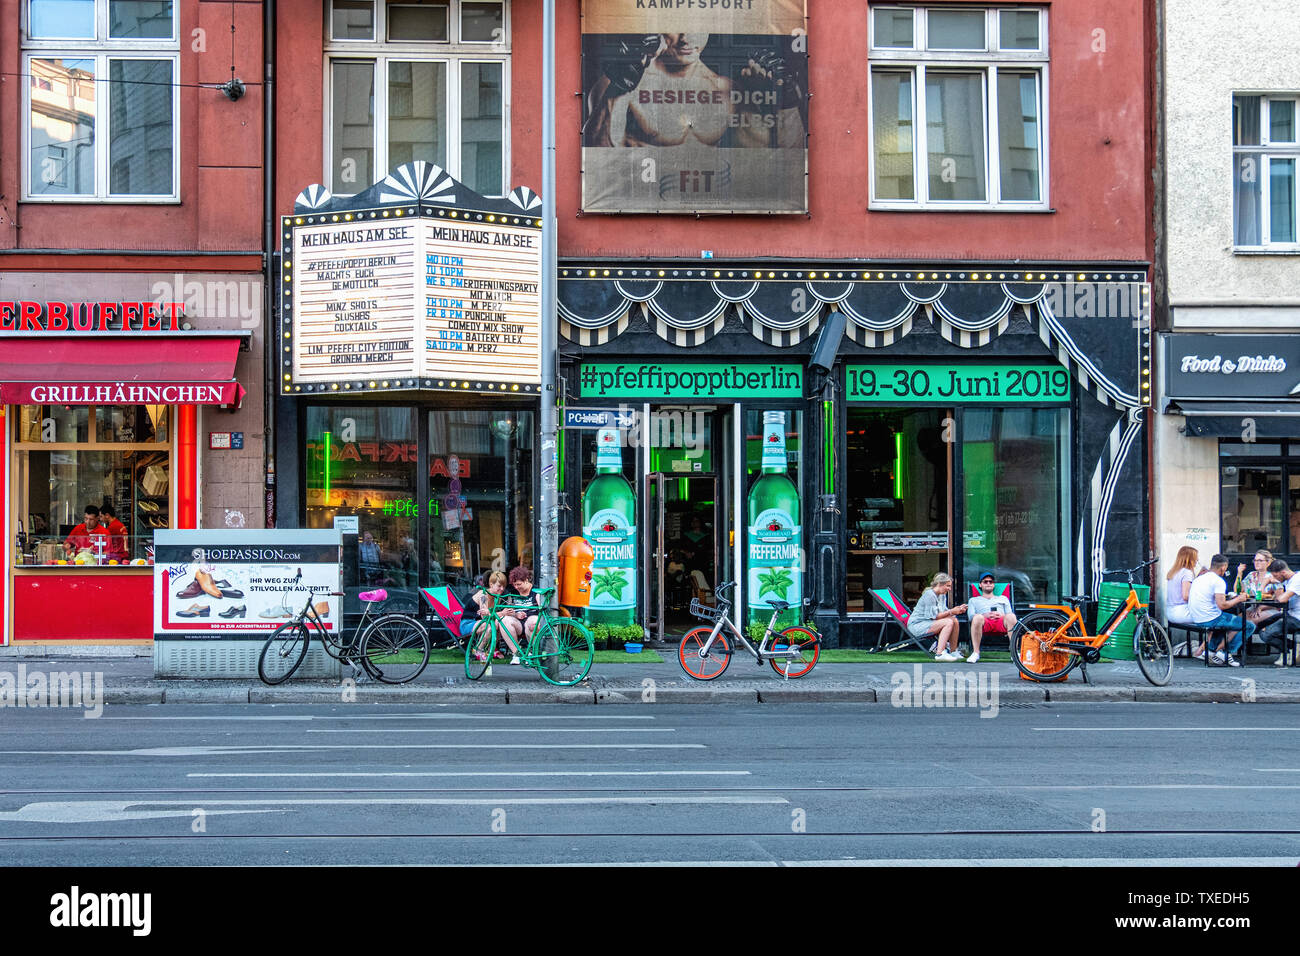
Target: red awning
124	369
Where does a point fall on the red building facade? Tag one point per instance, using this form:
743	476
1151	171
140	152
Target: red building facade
131	299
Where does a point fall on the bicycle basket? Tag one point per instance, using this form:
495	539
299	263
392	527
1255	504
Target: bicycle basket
705	612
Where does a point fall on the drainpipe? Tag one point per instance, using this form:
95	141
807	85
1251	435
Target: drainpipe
270	339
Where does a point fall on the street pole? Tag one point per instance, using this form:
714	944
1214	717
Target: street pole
549	517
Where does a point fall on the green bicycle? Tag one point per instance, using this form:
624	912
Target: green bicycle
561	649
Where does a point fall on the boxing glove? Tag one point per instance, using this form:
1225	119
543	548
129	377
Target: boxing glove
627	62
767	71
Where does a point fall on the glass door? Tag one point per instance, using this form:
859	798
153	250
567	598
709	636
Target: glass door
683	552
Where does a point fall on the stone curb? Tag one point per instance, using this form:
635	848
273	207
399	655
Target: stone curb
538	695
207	695
1088	693
632	694
817	695
133	695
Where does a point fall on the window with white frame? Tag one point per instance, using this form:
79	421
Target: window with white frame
100	100
417	79
958	107
1264	154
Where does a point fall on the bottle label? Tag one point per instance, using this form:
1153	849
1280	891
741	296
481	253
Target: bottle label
774	445
613	538
608	452
775	558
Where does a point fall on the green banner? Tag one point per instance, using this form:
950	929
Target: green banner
1013	383
682	380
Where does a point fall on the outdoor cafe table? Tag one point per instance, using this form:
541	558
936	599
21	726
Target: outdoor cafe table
1287	639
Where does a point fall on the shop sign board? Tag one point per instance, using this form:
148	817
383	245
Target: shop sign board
710	119
594	419
653	381
1204	365
412	297
215	583
909	540
958	384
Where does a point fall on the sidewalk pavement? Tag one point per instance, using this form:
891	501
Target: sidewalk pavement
130	680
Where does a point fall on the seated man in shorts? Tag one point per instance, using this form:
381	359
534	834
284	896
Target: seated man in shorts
990	614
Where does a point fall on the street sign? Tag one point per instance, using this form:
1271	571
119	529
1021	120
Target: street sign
595	418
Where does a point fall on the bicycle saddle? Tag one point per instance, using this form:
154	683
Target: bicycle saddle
1077	599
379	594
779	605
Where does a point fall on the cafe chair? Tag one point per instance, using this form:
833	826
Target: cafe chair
896	612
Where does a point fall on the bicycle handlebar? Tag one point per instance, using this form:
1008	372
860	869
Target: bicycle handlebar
1131	571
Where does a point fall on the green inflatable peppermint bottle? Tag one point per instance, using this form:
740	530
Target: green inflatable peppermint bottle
773	558
609	523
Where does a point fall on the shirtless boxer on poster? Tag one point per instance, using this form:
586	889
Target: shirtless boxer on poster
657	92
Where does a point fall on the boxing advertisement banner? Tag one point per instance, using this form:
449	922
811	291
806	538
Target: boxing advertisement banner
713	119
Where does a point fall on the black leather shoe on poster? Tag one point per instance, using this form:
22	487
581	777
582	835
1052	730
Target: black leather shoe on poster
237	611
195	610
231	593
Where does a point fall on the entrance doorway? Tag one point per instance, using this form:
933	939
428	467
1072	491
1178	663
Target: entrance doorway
687	513
899	501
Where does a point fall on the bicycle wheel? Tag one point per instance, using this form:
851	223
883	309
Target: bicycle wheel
478	651
565	651
1154	652
1027	637
283	652
395	648
710	666
808	644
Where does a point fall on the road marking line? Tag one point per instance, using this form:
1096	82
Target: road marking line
494	773
395	717
1012	861
102	811
495	730
308	748
1277	769
1163	730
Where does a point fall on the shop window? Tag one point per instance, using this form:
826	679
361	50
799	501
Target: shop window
897	504
100	103
775	556
1259	497
1265	148
69	459
1016	480
417	81
480	493
362	462
958	108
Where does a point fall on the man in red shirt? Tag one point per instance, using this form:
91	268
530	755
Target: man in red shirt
84	534
117	532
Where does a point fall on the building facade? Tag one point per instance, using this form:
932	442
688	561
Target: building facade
1226	438
132	307
894	257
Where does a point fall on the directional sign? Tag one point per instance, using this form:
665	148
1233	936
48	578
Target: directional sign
594	418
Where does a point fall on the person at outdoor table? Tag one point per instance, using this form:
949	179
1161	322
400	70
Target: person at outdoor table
1258	583
932	617
1210	606
1178	582
84	535
1275	633
990	614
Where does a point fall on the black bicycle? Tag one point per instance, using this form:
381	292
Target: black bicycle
392	648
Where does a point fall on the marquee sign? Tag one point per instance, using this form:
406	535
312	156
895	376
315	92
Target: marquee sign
436	291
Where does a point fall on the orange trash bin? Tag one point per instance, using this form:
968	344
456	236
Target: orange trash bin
576	559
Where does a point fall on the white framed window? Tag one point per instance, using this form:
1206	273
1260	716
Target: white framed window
417	79
99	102
958	108
1265	152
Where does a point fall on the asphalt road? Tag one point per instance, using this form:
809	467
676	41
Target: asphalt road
804	783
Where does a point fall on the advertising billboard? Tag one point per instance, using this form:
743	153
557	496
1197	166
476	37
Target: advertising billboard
710	119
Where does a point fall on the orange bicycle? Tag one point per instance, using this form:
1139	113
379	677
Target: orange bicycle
1054	638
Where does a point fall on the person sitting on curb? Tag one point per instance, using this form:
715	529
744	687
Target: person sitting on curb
991	614
1209	606
931	617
